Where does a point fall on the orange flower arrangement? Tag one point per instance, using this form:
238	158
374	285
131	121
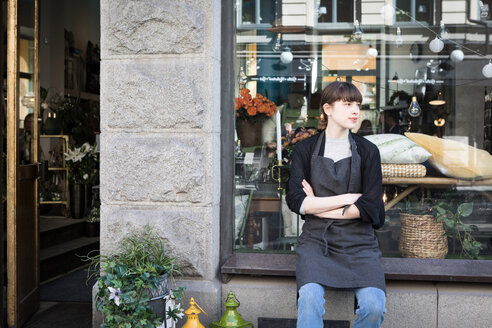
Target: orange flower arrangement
253	109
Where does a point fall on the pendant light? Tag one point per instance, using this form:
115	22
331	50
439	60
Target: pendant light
436	45
372	52
457	55
414	110
357	34
286	56
440	122
399	39
487	70
439	101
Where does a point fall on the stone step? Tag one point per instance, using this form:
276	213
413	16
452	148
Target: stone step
58	229
64	257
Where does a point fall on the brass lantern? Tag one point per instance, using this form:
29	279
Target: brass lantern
192	314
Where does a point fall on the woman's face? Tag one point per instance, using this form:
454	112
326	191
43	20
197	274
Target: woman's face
343	113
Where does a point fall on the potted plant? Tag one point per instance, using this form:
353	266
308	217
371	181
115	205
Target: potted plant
421	235
83	171
250	114
92	223
135	285
426	224
457	230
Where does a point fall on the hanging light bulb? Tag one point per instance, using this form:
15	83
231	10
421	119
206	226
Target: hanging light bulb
444	34
399	39
414	109
385	197
388	12
372	52
357	34
436	45
487	70
277	46
286	56
457	55
242	77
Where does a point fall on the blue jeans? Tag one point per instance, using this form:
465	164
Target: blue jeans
370	307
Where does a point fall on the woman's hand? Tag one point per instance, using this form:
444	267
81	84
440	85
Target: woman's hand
308	190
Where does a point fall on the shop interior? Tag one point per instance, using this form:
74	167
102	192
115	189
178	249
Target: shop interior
406	87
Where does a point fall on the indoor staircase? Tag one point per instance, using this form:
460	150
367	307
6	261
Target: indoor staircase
62	243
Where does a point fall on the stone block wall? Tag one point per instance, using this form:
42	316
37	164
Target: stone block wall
160	131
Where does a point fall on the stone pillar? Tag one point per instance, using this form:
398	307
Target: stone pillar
160	132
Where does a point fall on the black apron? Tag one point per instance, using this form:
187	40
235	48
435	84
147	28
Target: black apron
337	253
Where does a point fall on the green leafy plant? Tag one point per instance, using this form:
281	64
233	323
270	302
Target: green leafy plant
456	229
129	277
413	205
93	216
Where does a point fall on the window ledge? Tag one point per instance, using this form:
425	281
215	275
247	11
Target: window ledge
394	268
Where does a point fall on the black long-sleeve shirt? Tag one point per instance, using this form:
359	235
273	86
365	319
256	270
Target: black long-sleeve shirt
370	204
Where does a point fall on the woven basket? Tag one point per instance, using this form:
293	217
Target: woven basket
421	236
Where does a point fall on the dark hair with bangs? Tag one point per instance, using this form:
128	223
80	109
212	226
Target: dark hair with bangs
336	91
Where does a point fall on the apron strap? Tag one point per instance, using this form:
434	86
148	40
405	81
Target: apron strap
327	226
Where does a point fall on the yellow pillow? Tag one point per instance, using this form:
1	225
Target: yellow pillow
453	158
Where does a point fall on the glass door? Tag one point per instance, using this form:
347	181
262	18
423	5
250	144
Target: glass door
22	161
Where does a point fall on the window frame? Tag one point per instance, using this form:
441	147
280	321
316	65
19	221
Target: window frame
335	24
256	24
451	270
413	13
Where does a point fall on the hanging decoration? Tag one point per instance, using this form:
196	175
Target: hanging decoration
457	55
286	56
372	52
487	70
399	39
436	45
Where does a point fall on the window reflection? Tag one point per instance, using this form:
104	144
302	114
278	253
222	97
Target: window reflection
278	105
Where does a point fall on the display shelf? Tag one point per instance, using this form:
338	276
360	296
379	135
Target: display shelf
65	201
436	181
81	95
429	182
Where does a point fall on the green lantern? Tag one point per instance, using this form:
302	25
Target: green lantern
231	318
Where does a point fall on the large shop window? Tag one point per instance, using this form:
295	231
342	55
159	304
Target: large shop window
427	104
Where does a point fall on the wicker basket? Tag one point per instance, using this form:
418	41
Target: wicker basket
421	236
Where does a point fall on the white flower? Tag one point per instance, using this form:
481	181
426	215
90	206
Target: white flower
115	294
85	176
180	314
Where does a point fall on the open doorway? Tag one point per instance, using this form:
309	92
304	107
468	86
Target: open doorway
56	84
